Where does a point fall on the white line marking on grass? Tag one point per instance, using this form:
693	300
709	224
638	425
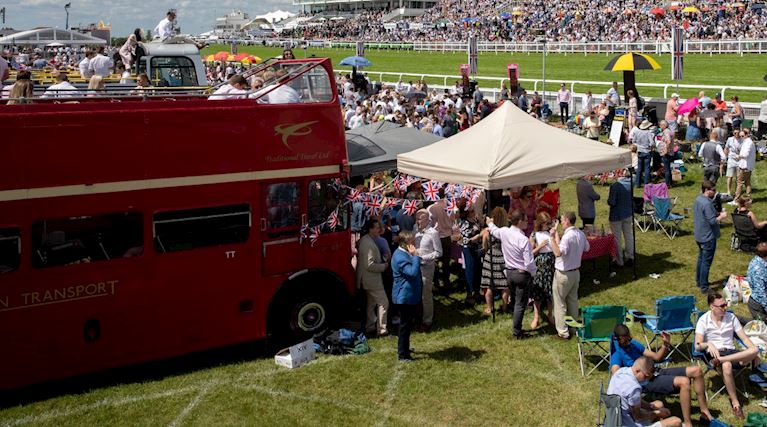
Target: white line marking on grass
391	390
351	407
193	404
58	413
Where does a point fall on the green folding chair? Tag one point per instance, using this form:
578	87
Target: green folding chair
594	332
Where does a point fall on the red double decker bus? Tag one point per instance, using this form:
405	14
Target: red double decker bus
158	226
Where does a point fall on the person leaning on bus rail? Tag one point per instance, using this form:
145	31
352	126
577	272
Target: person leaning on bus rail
62	89
714	335
235	88
22	92
370	265
165	31
142	82
96	85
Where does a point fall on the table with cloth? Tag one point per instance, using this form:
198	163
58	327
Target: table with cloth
600	246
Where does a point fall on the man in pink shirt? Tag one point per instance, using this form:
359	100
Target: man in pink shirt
564	97
443	222
519	261
672	109
567	276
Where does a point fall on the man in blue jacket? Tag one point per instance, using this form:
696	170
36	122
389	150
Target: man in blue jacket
406	292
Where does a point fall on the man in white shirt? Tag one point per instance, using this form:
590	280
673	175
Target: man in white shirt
101	65
165	28
592	125
358	119
746	159
564	97
519	264
587	103
714	334
235	88
567	276
85	65
429	250
62	89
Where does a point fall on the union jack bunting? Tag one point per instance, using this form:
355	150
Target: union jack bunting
410	206
332	221
353	195
431	191
677	49
373	203
450	206
314	234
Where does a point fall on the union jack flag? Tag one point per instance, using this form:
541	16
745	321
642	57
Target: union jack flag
314	234
353	195
677	45
410	206
450	206
431	191
333	220
374	205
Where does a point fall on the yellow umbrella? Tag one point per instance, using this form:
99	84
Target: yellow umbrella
210	58
231	58
632	62
691	9
516	13
251	60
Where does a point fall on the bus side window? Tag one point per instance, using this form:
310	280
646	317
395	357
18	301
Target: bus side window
203	227
324	198
10	249
282	206
85	239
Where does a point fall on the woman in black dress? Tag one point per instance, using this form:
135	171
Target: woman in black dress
493	276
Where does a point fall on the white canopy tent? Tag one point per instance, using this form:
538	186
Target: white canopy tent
509	148
47	36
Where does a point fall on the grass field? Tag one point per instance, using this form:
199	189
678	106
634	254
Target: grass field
717	70
469	371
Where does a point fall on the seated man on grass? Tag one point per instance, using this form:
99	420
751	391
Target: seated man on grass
714	335
626	351
636	412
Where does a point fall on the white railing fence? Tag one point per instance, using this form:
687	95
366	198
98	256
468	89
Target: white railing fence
711	47
577	87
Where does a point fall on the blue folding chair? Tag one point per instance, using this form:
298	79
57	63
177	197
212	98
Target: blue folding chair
673	314
666	221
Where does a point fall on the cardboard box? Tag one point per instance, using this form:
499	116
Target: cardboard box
297	355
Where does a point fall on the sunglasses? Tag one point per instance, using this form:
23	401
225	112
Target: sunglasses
722	306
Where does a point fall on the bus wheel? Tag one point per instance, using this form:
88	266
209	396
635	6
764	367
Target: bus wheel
300	316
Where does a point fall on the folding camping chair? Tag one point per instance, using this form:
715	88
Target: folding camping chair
673	314
665	220
595	331
612	404
744	237
643	214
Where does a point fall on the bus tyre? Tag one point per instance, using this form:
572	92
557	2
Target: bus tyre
301	316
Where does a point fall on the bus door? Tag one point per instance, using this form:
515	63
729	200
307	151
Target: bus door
326	210
281	221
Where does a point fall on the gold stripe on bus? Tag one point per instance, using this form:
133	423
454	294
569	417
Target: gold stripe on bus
160	183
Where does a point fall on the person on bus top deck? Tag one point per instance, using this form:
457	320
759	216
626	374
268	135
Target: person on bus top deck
165	31
279	92
235	88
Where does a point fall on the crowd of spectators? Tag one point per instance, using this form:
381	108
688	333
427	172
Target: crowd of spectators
565	21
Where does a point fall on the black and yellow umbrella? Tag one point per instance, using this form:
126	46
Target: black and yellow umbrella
629	63
632	62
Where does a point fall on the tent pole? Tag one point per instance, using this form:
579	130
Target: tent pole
633	225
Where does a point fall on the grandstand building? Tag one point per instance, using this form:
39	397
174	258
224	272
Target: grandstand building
399	7
231	23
